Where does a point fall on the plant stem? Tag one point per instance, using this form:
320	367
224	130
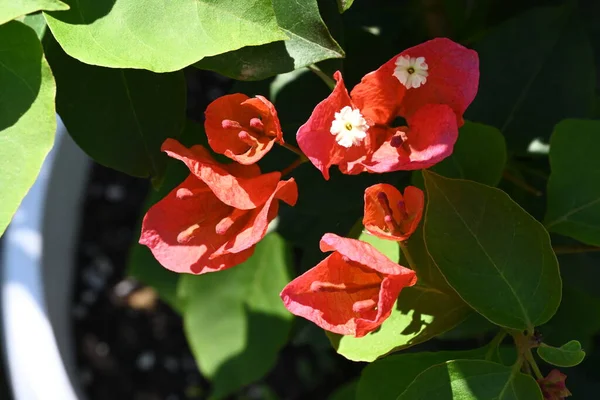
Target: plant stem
494	344
525	168
324	77
293	165
293	149
524	344
533	364
575	249
406	253
521	183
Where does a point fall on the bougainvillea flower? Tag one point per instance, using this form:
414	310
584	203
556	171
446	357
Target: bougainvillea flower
429	85
389	214
352	291
242	128
553	386
214	218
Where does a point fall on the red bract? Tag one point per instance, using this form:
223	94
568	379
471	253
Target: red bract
352	291
430	85
242	128
215	217
389	215
553	386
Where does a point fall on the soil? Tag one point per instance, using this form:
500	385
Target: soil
130	345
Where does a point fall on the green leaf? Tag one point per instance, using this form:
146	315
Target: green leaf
234	320
525	94
475	326
479	155
573	190
388	377
120	118
567	355
27	116
496	256
36	22
472	380
389	248
427	272
11	9
343	5
161	36
309	42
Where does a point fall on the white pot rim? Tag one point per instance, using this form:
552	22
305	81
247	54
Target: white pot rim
35	314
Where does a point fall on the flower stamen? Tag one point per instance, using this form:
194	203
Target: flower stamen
247	138
318	286
187	234
230	124
257	125
388	215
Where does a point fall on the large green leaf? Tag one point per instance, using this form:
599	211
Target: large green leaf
573	189
159	35
472	380
309	42
496	256
479	155
568	355
27	116
234	320
119	117
524	63
427	272
388	377
11	9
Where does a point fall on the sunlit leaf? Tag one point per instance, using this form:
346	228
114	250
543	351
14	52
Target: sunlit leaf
569	354
159	35
234	320
27	116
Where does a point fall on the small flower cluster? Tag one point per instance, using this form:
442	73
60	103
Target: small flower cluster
213	220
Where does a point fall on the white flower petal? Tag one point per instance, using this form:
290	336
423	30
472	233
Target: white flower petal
412	72
349	127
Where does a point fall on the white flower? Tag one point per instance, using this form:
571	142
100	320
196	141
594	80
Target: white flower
411	71
349	127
